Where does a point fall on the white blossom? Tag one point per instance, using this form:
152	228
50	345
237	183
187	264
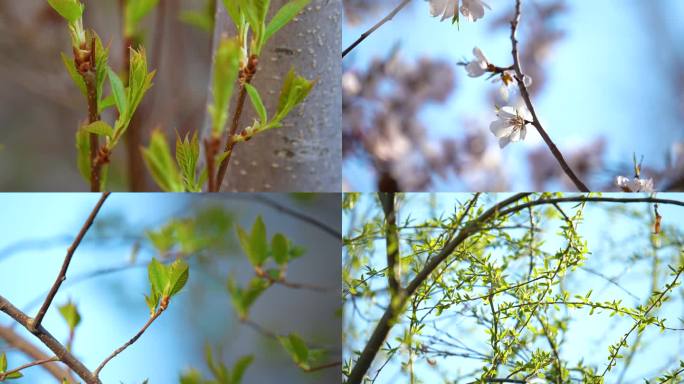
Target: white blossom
507	79
511	125
479	65
470	9
634	185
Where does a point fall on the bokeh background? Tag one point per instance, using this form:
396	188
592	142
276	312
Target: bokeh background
108	278
622	261
40	107
608	85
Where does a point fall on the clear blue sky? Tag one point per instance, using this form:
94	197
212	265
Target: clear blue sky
611	237
608	78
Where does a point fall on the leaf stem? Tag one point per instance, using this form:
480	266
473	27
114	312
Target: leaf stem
6	374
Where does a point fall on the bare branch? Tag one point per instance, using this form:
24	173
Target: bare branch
35	323
379	24
519	77
131	341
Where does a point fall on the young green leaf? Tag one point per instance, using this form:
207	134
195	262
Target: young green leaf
280	248
71	10
295	89
70	314
254	244
99	128
284	15
3	362
187	156
178	276
242	299
239	369
136	10
257	103
296	348
226	64
73	73
158	159
158	276
118	91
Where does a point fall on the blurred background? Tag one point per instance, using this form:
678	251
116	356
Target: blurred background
41	108
608	85
623	263
108	278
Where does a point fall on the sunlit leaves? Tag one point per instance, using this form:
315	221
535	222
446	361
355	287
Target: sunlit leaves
284	15
165	282
187	157
226	63
301	354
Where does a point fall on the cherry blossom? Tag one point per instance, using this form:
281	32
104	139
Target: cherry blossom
634	185
470	9
511	125
479	66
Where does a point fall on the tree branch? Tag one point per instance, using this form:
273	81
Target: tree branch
528	102
27	348
6	374
129	342
500	209
35	323
391	242
379	24
49	341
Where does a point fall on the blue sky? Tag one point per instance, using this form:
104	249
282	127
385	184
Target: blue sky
608	78
611	237
113	307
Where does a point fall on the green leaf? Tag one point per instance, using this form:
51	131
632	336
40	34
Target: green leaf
239	369
284	15
136	10
178	276
296	348
295	89
257	103
14	375
101	58
74	74
258	242
159	162
71	10
83	154
280	248
226	65
158	276
242	299
105	103
99	128
233	11
70	314
118	91
198	19
3	362
187	157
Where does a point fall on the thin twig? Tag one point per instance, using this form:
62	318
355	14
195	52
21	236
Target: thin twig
131	341
524	93
379	24
322	367
67	259
49	341
16	341
6	374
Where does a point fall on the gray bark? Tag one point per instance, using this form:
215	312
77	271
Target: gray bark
305	155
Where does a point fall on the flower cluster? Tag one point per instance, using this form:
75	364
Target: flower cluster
636	184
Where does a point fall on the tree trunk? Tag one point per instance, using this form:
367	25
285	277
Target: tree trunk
306	153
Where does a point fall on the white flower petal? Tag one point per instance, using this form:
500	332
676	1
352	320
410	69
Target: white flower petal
504	141
474	69
507	112
501	128
477	52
